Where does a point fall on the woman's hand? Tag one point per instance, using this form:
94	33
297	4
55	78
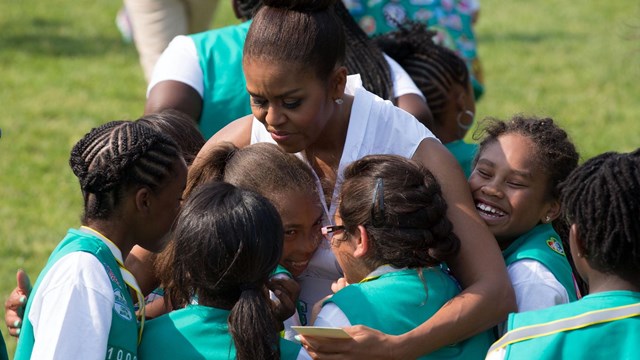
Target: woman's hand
366	343
16	303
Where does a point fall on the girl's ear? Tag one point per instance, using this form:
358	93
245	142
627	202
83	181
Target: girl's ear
362	242
143	200
460	94
338	82
552	213
575	241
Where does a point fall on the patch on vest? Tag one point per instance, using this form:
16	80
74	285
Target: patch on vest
555	245
120	305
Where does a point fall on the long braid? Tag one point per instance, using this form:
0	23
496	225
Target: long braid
602	198
116	155
434	68
364	57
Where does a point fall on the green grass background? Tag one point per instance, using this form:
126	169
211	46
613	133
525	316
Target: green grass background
65	69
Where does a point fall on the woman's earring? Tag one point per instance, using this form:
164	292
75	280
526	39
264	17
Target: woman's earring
339	101
547	219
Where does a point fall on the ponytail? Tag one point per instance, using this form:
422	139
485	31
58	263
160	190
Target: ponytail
254	329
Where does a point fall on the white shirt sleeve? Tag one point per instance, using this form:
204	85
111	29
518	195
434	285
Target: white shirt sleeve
496	354
71	310
535	286
331	316
402	83
179	62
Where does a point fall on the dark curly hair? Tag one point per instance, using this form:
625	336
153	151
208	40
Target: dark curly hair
555	154
116	156
406	219
602	198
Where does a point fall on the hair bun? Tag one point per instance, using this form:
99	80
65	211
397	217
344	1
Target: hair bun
307	6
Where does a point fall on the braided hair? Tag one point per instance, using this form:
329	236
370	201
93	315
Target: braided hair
602	198
434	68
405	216
364	57
116	156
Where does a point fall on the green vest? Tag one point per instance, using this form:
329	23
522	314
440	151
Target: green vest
123	335
600	326
195	332
396	302
543	245
3	350
225	96
464	153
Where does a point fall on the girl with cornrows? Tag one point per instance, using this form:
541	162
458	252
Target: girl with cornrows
293	64
132	179
601	201
514	185
391	238
227	241
443	78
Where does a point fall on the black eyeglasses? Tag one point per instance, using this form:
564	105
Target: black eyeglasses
377	205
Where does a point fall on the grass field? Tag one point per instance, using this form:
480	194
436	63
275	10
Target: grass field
64	69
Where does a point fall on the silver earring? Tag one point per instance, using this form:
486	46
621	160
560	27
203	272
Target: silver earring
339	101
547	219
459	117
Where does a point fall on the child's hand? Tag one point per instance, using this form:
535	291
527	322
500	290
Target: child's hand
16	303
287	291
338	285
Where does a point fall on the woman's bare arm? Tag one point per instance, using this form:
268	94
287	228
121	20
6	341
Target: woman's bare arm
487	297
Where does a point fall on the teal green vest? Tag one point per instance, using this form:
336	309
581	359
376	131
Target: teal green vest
601	326
464	153
195	332
225	96
3	349
543	245
396	302
123	335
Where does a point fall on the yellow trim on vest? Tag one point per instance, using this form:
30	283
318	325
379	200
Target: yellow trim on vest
513	334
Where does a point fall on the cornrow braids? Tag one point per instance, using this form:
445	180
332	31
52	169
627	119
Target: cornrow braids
364	57
434	68
412	230
602	198
119	154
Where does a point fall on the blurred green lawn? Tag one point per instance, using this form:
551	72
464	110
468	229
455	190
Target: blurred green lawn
65	69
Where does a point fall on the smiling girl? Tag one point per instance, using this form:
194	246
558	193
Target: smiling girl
293	62
514	185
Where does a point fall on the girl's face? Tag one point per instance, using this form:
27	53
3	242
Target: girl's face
292	103
302	217
509	189
344	246
166	203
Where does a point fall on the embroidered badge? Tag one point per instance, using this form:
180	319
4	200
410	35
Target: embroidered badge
120	305
555	245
